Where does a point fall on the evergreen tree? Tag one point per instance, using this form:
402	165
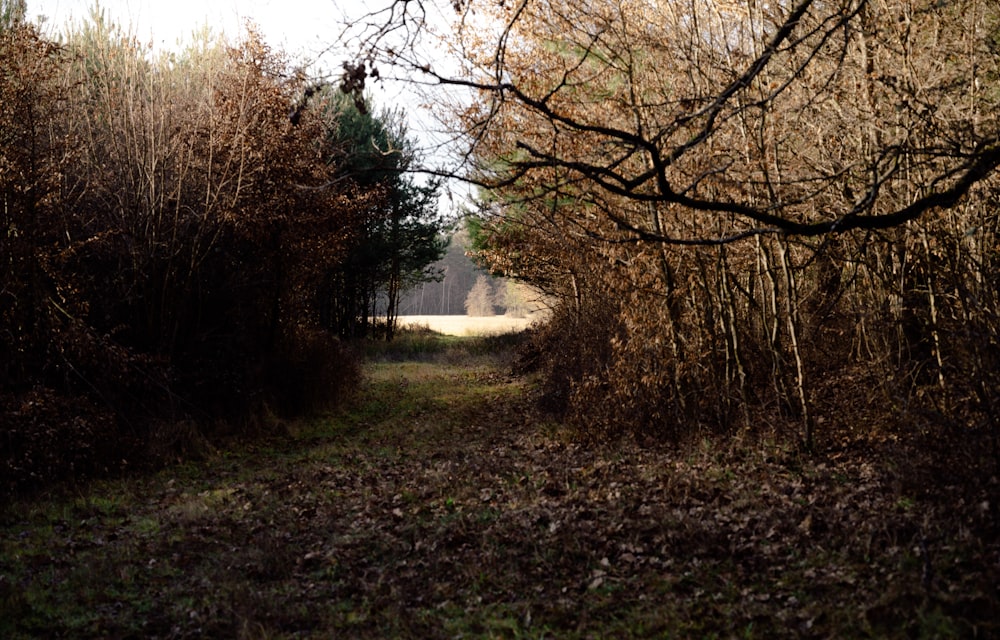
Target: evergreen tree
401	235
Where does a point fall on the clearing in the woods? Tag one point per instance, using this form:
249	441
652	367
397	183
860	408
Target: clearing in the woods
442	505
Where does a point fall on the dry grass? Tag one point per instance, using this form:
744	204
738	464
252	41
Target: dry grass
471	325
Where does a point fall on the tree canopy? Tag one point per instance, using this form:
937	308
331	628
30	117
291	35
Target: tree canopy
169	224
739	206
734	119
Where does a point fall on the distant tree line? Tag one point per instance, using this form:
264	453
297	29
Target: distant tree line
185	237
459	285
454	275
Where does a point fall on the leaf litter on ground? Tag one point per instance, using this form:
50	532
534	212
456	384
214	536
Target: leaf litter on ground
440	504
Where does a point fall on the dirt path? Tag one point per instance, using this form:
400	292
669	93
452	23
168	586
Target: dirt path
441	506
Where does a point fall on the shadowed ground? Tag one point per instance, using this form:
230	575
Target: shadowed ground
440	505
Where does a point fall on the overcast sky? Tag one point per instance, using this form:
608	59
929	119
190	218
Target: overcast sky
299	26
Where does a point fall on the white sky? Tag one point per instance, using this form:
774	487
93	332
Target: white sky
298	26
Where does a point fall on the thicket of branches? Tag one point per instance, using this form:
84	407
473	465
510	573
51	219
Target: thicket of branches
167	225
752	213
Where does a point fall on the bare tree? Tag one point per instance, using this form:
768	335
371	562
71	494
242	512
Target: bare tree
480	301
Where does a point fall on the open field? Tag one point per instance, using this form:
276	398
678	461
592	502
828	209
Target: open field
469	325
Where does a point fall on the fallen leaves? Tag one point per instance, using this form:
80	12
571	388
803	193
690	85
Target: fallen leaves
478	522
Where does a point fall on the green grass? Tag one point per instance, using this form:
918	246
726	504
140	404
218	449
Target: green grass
439	505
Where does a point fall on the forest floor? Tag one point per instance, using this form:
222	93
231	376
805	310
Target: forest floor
442	505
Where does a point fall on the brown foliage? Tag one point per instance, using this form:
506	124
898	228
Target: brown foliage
51	436
30	160
165	226
622	134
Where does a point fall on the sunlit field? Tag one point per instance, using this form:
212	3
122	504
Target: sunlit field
469	325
